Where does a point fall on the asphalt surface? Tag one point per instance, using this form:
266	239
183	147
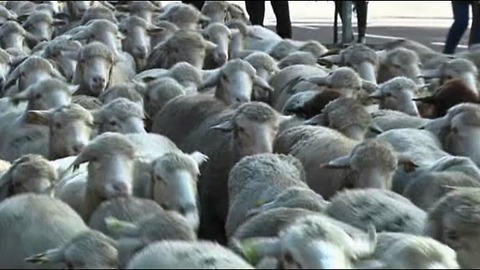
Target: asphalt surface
427	22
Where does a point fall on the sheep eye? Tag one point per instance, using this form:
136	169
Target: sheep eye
113	123
58	125
388	94
70	265
454	129
38	96
225	77
452	235
288	258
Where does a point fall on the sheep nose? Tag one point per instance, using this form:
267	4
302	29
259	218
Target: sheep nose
241	99
185	209
141	52
222	58
99	80
121	188
82	10
77	148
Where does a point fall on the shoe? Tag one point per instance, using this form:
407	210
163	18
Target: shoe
361	40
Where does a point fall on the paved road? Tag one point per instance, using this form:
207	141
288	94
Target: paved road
424	21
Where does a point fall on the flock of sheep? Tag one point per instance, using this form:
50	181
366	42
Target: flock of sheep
135	135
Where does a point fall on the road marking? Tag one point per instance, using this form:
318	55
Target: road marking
443	44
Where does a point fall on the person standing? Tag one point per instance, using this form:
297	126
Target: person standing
197	4
256	12
461	16
361	8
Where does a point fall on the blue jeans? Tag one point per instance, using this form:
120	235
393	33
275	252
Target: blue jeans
459	26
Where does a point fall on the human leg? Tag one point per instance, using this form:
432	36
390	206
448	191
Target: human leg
361	7
282	13
459	26
256	11
475	28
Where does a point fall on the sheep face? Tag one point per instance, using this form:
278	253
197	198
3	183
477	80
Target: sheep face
217	11
30	173
137	34
175	183
186	17
454	221
343	80
41	25
159	93
456	68
46	94
253	128
94	70
221	35
76	9
397	94
64	52
373	162
111	159
399	62
122	116
13	35
89	250
34	69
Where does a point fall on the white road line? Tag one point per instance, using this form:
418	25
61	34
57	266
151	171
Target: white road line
443	44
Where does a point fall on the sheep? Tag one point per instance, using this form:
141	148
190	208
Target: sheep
87	102
141	9
456	130
90	249
94	68
234	82
308	104
137	33
183	46
426	189
40	25
397	94
297	58
333	161
62	53
158	92
354	126
314	47
29	173
14	36
120	115
21	132
451	93
387	210
399	62
44	223
271	222
98	13
312	242
127	209
110	173
390	119
183	72
169	30
361	58
238	43
232	134
406	251
453	221
292	197
186	17
33	69
220	35
121	91
159	226
6	15
265	67
259	178
456	68
216	11
187	254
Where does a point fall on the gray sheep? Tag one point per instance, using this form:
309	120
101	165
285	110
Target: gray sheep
387	210
187	254
127	91
120	115
186	17
29	173
459	68
87	102
259	178
21	237
399	62
183	46
155	227
221	35
454	220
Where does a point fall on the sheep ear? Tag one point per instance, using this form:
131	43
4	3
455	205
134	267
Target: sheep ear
50	256
317	120
254	249
408	164
210	45
330	59
22	96
119	226
338	163
369	86
211	81
155	30
374	128
226	126
382	55
73	88
252	34
377	94
259	81
199	157
320	81
37	117
427	99
81	35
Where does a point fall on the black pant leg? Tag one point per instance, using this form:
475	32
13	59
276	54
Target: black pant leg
362	8
282	13
256	11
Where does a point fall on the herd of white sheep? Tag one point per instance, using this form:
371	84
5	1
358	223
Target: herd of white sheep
138	135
